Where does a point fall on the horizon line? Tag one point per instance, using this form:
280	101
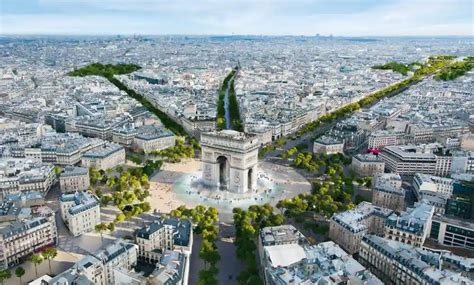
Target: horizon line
233	35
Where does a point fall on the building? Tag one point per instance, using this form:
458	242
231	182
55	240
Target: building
411	227
105	157
170	269
25	199
452	232
24	175
328	145
171	234
399	263
424	184
286	258
229	160
80	212
436	190
158	240
393	180
20	238
73	179
367	164
383	138
21	206
104	267
408	160
59	148
467	142
154	138
460	208
463	162
124	135
347	228
387	192
119	254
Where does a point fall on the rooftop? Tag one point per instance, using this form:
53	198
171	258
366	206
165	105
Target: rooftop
414	220
368	157
74	171
422	263
325	140
83	201
103	151
182	230
280	234
352	219
330	263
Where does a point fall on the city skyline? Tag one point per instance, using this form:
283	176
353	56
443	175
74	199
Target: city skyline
262	17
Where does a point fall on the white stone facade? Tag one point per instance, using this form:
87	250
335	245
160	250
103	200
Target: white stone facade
80	212
367	165
74	179
328	146
431	185
105	157
229	160
21	238
155	144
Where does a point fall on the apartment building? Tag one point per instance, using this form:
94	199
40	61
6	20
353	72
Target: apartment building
287	258
411	227
399	263
170	269
154	138
381	139
171	234
80	212
73	179
105	267
347	228
24	175
462	162
60	149
158	240
425	184
367	164
284	236
437	190
328	145
105	157
20	238
387	191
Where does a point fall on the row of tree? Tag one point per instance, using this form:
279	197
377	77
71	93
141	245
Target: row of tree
234	113
177	152
130	189
105	70
394	66
316	162
433	65
221	120
36	258
265	149
455	70
247	225
109	71
205	220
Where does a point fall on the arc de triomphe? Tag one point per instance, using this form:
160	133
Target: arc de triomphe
229	160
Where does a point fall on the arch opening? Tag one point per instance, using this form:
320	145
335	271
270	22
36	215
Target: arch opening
223	172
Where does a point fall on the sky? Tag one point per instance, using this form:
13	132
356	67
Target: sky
239	17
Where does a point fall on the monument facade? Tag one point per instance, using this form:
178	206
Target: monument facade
229	160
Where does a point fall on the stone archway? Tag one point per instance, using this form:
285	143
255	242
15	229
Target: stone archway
250	179
224	167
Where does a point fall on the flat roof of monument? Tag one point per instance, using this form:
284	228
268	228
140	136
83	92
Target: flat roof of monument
231	134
